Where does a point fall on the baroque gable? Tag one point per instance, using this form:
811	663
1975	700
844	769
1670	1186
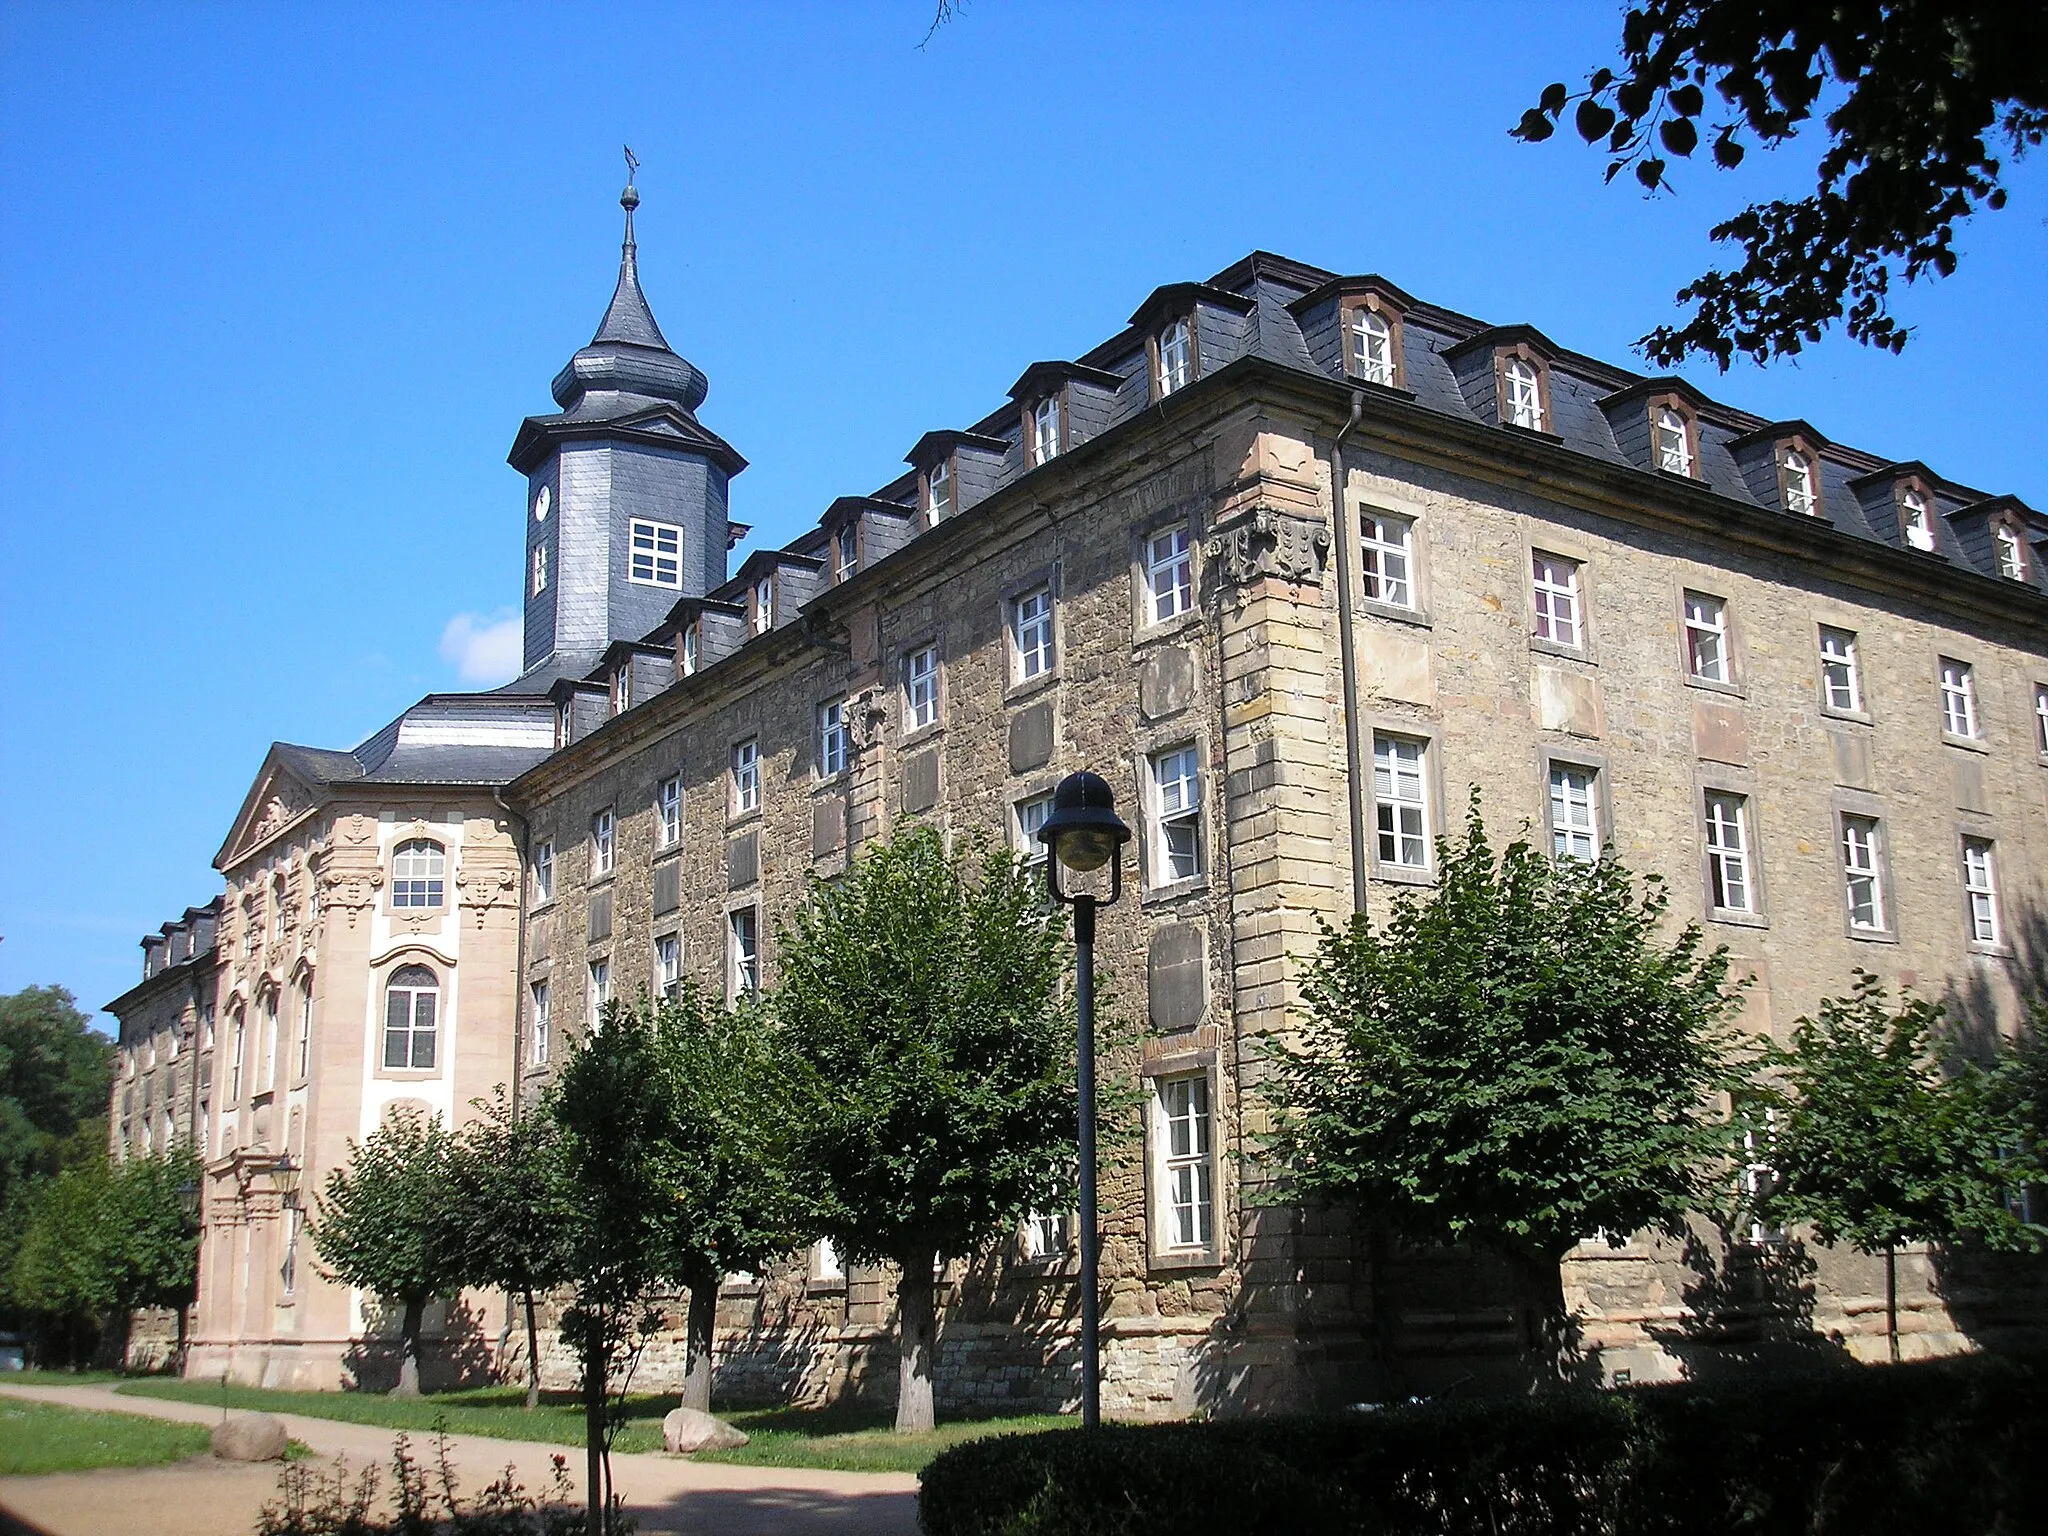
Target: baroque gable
278	801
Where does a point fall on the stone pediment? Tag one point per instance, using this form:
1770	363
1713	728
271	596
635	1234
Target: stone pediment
278	801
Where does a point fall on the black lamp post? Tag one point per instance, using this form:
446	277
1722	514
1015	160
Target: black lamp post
188	1200
1083	832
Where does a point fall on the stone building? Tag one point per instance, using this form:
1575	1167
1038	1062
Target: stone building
163	1054
1295	560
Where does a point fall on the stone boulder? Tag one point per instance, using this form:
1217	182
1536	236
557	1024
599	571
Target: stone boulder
250	1437
686	1430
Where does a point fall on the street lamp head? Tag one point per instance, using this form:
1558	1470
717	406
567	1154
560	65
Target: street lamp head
188	1199
284	1177
1083	831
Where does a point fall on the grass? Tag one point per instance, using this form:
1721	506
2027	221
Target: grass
37	1378
840	1438
42	1437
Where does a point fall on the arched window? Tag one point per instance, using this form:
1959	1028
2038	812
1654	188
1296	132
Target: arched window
1176	356
417	872
1918	520
1674	446
1372	346
266	1048
2012	559
1524	402
412	1000
1799	494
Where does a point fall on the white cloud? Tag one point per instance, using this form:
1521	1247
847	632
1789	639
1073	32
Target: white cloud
484	651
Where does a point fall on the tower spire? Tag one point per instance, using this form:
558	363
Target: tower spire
629	200
628	319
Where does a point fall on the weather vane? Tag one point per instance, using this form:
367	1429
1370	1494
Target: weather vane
632	163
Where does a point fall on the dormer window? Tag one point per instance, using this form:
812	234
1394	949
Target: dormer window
1917	518
764	605
1045	430
622	689
1671	440
846	552
565	720
1802	487
1176	358
1372	346
938	493
2012	555
1521	400
687	657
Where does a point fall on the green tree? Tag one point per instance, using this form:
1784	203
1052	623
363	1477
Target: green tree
59	1275
1876	1145
1517	1059
511	1211
1912	91
382	1225
55	1075
931	1066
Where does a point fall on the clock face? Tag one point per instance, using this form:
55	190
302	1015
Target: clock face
543	499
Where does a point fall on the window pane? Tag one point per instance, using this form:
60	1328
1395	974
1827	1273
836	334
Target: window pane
1383	542
1399	803
1555	599
1574	831
1706	637
1032	632
1728	851
1860	873
1169	574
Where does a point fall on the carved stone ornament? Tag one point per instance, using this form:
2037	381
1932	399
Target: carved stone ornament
486	887
1269	543
351	891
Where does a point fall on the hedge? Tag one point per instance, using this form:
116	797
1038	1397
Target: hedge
1947	1447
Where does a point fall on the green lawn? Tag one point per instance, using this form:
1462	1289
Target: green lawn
840	1439
61	1378
42	1437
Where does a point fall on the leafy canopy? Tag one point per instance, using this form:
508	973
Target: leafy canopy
929	1047
55	1074
1517	1058
509	1205
1876	1145
1917	88
107	1237
383	1220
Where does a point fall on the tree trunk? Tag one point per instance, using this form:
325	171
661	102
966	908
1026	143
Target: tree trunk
409	1349
184	1336
594	1374
1546	1327
1385	1339
1891	1298
915	1327
532	1357
697	1341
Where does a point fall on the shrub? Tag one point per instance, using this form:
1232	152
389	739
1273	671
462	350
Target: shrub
1948	1446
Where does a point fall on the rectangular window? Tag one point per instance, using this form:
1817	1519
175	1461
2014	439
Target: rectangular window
1169	574
1031	816
1176	815
668	965
1383	545
744	951
1706	637
600	991
668	806
235	1061
1045	1237
305	1029
540	569
1840	677
1524	393
657	553
1372	346
1574	814
921	687
603	841
1980	890
1958	698
1045	430
1728	852
1673	441
2041	716
764	605
1174	351
1031	633
939	492
410	1024
1185	1178
746	777
1400	801
543	1021
1555	594
827	1267
544	870
1862	873
622	689
846	552
833	741
1918	519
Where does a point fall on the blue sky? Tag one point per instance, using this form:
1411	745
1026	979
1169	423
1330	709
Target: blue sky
277	284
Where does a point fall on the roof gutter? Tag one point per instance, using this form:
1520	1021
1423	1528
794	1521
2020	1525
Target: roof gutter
1347	652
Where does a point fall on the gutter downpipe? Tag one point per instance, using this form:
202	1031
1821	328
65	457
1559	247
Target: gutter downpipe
519	1021
1347	651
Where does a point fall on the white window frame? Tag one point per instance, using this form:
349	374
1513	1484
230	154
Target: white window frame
1169	573
540	568
1173	780
597	992
1917	514
1841	673
604	842
835	742
622	688
1026	817
1574	811
2012	555
1400	801
846	552
1980	891
542	1001
1671	440
921	688
1176	356
1372	346
1557	614
764	605
668	812
828	1266
419	873
565	722
1386	544
654	553
743	953
1045	431
1031	634
2041	717
544	871
1801	495
1862	846
688	658
1731	869
1184	1172
1707	657
1523	404
1959	699
668	965
421	1022
1046	1236
746	776
938	492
